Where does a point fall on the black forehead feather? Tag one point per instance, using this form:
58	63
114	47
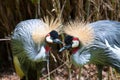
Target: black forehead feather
54	34
68	39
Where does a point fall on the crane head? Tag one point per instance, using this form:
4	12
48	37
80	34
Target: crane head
70	42
53	37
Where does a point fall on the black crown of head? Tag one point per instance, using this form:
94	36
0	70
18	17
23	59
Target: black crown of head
54	34
68	40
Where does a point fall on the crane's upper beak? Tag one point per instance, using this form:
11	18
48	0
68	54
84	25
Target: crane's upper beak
65	47
57	41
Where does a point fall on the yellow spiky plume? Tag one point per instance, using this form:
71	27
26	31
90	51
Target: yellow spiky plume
52	24
38	35
81	30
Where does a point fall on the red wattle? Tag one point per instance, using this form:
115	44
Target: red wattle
75	50
47	48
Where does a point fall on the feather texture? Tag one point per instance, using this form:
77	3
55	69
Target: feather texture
28	46
105	48
103	43
81	30
39	34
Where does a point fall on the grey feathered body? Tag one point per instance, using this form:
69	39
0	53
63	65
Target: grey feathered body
109	30
23	33
105	49
29	53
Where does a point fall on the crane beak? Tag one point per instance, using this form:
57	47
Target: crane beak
57	41
65	47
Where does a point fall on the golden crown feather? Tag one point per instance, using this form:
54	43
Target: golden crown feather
39	34
80	29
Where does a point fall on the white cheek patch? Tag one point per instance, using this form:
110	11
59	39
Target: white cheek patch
48	39
75	43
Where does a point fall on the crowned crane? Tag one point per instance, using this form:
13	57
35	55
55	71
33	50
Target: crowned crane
97	43
30	45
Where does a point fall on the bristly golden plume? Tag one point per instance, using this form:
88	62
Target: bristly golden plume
81	30
39	33
53	23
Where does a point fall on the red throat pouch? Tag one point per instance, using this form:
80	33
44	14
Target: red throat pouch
75	50
47	48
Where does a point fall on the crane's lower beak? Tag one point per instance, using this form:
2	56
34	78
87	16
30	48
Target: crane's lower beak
65	47
57	41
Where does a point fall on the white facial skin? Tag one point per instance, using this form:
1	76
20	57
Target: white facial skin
75	43
48	39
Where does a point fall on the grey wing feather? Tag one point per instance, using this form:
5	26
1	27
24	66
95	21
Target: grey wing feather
23	33
104	55
102	52
107	33
109	30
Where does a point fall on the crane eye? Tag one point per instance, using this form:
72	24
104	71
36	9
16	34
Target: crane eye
75	43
